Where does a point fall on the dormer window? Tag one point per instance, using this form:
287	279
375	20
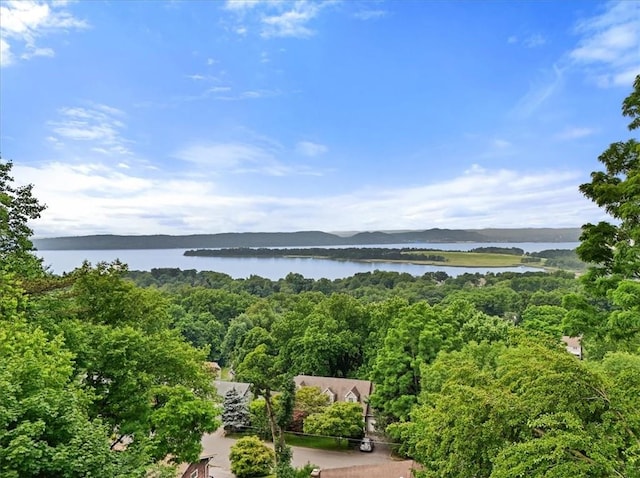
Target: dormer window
329	393
352	396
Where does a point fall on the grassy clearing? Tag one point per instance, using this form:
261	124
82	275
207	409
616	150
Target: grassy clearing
471	259
323	443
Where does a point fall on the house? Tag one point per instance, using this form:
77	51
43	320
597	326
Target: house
214	368
393	469
243	389
573	345
199	469
342	390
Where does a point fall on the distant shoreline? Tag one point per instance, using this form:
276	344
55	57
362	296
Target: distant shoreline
309	239
482	257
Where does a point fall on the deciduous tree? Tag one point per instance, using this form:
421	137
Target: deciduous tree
17	207
339	420
250	458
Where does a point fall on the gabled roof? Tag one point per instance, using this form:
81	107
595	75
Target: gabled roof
355	391
339	386
573	345
223	387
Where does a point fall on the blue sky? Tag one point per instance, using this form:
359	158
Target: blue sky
185	117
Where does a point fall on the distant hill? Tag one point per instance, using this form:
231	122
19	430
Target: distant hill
305	239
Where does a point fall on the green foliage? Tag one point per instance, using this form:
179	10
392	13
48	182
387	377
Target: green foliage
525	410
259	419
544	318
144	381
17	207
339	420
250	458
311	400
44	426
613	249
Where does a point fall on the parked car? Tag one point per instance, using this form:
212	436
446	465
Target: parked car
366	444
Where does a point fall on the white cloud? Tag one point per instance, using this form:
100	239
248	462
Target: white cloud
241	158
241	4
48	52
225	156
370	14
609	45
531	41
278	18
224	93
575	133
292	23
501	143
308	148
6	57
100	126
534	40
540	91
25	21
94	198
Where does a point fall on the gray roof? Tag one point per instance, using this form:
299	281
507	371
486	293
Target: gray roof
223	387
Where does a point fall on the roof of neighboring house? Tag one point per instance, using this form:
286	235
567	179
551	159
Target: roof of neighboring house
213	366
182	468
573	344
393	469
223	387
339	386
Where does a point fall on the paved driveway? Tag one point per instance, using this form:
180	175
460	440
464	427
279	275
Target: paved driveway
218	445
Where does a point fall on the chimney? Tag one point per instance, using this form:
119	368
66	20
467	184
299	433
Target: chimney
315	473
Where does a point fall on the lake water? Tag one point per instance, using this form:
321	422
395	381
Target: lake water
277	268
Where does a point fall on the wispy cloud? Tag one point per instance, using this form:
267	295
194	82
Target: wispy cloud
238	5
308	148
276	18
530	41
291	23
25	21
370	14
575	133
540	91
609	45
534	40
241	158
607	52
100	126
83	198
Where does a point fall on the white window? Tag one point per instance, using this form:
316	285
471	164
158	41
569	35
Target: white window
194	474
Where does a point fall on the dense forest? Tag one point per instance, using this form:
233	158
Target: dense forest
103	369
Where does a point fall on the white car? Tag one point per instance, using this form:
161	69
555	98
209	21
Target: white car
366	444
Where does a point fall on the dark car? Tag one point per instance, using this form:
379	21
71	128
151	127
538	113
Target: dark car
366	444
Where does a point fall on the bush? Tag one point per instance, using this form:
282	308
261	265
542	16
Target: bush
250	458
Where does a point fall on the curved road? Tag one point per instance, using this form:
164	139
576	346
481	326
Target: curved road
218	445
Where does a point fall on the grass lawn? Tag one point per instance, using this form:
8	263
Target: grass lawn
471	259
316	442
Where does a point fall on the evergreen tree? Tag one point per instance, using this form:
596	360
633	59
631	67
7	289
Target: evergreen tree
235	416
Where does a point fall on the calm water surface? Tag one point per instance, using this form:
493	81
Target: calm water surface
277	268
